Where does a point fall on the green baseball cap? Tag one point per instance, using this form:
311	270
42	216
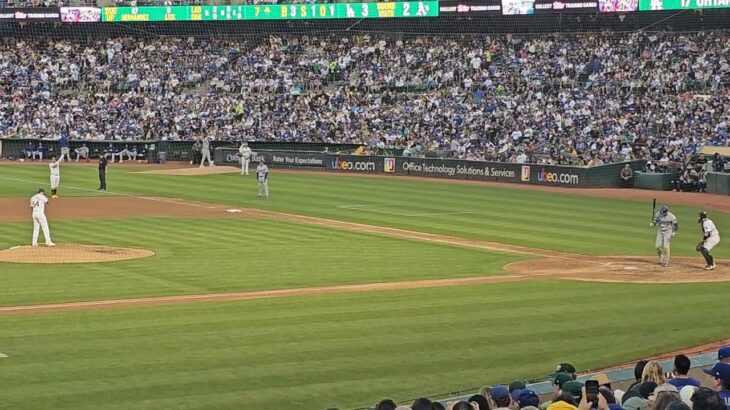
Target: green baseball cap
517	385
565	368
573	387
562	378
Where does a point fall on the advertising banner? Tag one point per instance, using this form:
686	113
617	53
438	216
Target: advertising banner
470	7
355	163
491	171
404	9
548	175
229	156
648	5
31	14
565	6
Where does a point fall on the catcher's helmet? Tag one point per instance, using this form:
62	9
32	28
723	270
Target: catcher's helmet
701	215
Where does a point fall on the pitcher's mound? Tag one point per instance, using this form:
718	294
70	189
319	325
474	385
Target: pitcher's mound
70	253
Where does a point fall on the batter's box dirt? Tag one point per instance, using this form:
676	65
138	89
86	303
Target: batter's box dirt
71	253
632	269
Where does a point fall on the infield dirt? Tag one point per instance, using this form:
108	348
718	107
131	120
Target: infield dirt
546	264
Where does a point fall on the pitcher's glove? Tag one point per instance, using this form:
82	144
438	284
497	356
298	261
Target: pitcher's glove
699	246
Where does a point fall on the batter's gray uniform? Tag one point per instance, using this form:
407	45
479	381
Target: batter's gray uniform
206	153
262	177
668	225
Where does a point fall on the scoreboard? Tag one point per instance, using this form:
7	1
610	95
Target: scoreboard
403	9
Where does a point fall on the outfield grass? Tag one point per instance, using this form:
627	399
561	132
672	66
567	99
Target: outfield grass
537	219
343	350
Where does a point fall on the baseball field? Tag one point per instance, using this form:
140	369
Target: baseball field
182	289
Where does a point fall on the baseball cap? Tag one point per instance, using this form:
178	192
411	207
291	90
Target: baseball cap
636	403
573	387
499	393
517	385
564	368
723	353
561	378
528	397
719	371
666	387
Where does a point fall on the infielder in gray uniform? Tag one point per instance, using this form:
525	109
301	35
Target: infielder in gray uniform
206	152
262	177
668	227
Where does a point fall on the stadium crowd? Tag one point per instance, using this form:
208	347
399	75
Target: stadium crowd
652	389
579	99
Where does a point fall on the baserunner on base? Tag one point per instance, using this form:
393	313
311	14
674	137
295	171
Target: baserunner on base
668	227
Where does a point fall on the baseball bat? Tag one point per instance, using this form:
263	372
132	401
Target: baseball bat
653	209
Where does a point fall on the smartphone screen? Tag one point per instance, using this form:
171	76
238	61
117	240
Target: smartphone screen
592	391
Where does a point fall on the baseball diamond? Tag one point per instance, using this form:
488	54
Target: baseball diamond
330	281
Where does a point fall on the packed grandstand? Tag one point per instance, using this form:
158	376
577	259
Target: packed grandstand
581	99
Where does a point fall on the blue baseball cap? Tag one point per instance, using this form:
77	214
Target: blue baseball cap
528	397
499	392
723	353
719	371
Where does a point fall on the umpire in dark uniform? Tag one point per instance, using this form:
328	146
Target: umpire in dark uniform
102	172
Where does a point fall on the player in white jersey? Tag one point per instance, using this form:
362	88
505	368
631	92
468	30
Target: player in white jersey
206	152
55	167
668	227
245	153
262	178
710	238
38	204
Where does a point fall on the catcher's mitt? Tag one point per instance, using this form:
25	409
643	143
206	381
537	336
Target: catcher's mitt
698	248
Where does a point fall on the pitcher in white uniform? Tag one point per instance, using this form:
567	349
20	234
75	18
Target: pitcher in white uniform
38	204
245	153
55	167
710	238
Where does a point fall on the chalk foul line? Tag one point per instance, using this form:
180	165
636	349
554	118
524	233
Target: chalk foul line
267	294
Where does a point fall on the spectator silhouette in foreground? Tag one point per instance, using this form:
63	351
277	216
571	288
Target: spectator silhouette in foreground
682	364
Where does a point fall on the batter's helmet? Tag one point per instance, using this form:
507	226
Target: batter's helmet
701	215
663	210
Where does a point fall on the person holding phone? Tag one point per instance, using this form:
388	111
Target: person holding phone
591	399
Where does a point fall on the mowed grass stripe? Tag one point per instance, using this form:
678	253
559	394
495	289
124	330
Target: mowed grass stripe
516	216
198	256
308	351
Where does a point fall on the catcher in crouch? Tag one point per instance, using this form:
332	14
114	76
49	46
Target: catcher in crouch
710	238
